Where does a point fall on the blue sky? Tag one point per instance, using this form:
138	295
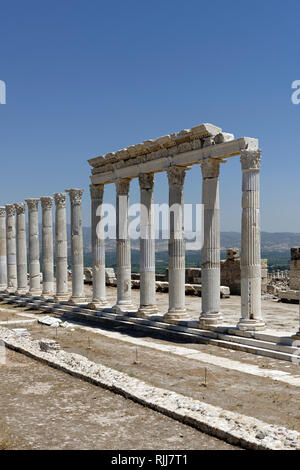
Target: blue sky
86	78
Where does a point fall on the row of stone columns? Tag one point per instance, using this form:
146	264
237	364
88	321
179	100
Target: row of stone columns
211	316
13	247
13	265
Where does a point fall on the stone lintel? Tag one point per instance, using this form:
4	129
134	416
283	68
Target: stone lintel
111	170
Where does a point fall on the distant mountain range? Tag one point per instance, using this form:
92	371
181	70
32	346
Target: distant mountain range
270	242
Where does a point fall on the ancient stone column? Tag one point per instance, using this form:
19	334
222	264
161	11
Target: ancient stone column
147	247
47	246
251	318
11	248
61	247
21	249
34	247
98	248
123	248
210	273
176	246
3	260
76	247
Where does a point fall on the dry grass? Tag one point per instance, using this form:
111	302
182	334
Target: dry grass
7	442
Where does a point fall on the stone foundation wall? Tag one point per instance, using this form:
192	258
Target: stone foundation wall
231	272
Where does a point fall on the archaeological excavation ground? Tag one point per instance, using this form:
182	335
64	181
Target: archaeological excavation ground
208	357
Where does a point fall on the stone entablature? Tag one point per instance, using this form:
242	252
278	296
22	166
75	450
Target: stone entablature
184	148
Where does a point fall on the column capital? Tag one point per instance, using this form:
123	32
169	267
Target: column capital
146	180
10	209
122	186
96	191
250	160
2	211
20	208
46	202
75	196
60	200
210	168
176	175
33	204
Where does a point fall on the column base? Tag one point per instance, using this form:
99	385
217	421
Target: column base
97	304
76	300
21	291
208	320
246	324
296	336
121	308
35	292
61	298
175	314
10	290
3	287
146	310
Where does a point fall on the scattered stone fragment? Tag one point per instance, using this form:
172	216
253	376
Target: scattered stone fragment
48	345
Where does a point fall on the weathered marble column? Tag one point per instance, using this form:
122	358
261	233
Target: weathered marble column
98	248
123	248
47	246
21	249
61	247
147	247
11	248
76	247
250	250
210	272
34	247
176	247
3	260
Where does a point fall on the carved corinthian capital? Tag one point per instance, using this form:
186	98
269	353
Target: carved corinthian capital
250	159
10	209
46	202
75	196
122	187
146	180
33	204
210	168
2	211
20	208
176	175
60	200
97	191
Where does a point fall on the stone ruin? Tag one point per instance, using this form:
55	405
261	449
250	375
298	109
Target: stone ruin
231	272
290	292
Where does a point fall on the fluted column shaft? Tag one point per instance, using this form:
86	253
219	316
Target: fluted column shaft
210	272
250	248
176	247
98	247
61	247
147	247
3	260
34	248
47	246
11	248
21	248
76	246
123	248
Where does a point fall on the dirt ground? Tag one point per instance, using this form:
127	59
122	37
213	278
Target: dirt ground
272	401
269	400
42	408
